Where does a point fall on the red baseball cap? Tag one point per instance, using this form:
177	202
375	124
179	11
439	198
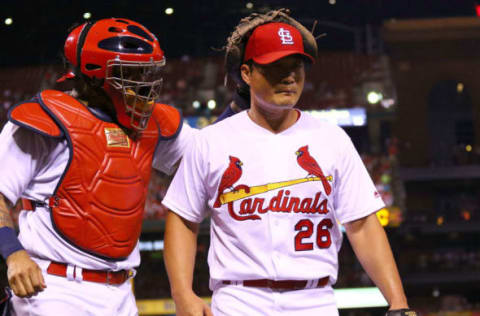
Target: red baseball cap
272	41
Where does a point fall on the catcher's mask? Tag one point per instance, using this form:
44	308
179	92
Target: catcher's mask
124	59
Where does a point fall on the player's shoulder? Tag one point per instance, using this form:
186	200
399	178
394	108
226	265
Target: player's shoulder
168	120
9	128
32	115
322	125
225	126
218	133
27	139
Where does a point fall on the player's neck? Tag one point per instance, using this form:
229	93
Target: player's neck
276	121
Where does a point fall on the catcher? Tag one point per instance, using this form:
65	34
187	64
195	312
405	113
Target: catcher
81	163
275	193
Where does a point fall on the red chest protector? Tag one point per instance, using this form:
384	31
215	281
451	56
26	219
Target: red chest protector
99	202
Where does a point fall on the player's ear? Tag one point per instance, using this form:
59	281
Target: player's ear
246	72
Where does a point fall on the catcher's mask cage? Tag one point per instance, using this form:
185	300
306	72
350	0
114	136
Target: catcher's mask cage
140	84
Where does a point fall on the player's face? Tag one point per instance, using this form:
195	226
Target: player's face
279	84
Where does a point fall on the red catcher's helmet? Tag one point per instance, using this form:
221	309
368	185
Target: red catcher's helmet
125	59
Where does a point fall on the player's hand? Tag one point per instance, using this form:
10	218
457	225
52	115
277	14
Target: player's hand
191	305
24	275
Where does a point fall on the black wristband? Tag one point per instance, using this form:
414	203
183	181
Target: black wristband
9	242
401	312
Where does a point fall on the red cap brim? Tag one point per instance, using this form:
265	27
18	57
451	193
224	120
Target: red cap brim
274	56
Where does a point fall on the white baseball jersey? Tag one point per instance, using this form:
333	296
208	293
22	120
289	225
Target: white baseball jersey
275	200
32	165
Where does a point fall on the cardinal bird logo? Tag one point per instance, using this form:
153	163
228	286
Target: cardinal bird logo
309	164
229	177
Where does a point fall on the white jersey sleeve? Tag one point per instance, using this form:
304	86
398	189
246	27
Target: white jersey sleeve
28	155
187	195
355	193
169	152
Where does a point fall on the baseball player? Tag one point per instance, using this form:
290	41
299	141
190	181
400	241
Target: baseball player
81	162
276	182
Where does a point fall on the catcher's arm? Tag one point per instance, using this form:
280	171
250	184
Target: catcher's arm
371	246
5	218
24	275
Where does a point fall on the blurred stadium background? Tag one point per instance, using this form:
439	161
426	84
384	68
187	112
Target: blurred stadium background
401	76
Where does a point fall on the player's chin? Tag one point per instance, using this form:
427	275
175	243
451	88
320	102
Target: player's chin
287	101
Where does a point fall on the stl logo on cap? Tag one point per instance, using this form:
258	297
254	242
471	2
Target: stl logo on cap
271	41
285	36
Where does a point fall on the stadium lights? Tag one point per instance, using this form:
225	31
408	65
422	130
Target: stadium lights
155	245
387	103
358	121
211	104
8	21
440	220
87	15
169	11
196	104
342	117
460	87
249	5
373	97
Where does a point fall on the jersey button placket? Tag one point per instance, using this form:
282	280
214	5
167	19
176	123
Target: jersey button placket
277	235
276	218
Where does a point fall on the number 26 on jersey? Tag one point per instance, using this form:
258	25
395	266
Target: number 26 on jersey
306	228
